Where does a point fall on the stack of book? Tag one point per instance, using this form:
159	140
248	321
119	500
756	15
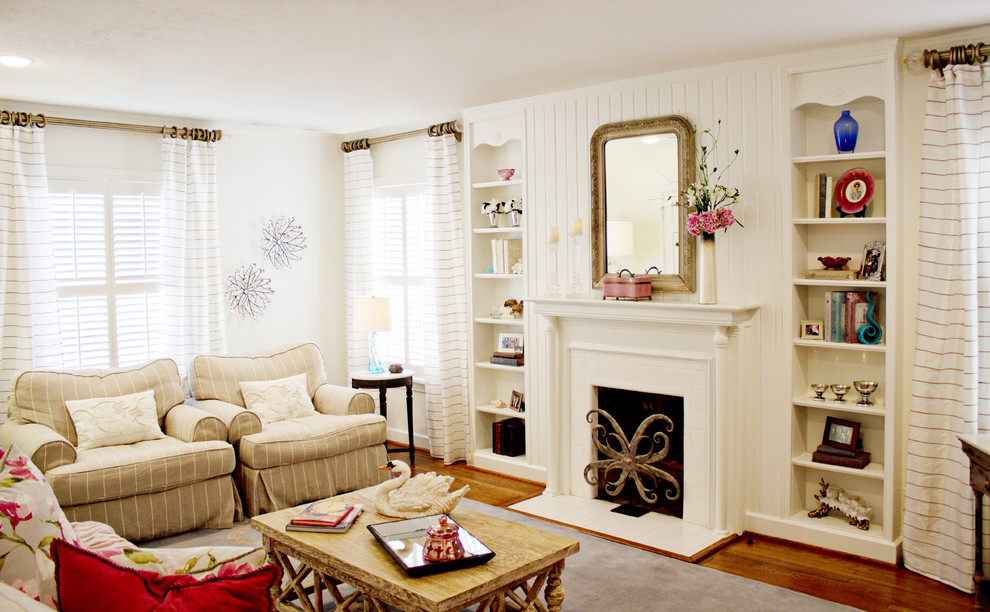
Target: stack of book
508	358
325	516
824	195
839	456
505	253
509	437
845	313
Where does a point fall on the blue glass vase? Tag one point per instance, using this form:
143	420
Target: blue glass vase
846	129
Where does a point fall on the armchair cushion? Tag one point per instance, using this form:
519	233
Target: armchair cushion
39	396
219	376
277	400
119	472
307	438
111	421
30	519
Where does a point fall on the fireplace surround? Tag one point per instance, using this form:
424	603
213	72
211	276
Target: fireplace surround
689	351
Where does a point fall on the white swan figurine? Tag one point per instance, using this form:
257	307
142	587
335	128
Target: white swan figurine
424	494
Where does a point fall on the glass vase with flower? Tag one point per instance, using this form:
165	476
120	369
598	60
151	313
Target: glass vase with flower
709	202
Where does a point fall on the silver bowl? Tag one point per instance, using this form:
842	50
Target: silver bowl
819	389
865	388
839	391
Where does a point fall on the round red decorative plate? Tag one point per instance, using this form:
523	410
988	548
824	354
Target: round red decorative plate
854	191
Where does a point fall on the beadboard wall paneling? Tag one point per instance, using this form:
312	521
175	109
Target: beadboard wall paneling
558	189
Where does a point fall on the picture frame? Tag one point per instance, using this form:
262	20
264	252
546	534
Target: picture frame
516	402
812	330
510	343
871	268
841	434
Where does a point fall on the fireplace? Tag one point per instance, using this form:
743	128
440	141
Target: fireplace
639	438
677	350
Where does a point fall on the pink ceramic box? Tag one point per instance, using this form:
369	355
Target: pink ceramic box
628	287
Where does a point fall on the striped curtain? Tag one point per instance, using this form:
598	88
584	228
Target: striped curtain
951	388
445	304
359	188
190	280
29	332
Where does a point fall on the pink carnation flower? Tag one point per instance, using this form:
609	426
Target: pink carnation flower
725	217
693	225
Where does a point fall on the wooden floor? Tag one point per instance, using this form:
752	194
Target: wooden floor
836	577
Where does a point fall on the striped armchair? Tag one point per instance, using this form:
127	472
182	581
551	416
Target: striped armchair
147	489
338	447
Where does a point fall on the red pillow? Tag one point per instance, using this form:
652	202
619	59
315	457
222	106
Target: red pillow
86	581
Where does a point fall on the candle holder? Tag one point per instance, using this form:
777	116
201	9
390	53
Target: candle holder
576	289
553	285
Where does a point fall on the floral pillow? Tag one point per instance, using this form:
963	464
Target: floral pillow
278	400
30	519
109	421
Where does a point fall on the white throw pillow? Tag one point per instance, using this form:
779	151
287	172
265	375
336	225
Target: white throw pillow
278	400
109	421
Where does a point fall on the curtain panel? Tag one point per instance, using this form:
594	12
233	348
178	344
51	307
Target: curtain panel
191	277
445	305
951	386
29	330
359	189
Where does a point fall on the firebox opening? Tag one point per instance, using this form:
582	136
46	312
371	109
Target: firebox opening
639	439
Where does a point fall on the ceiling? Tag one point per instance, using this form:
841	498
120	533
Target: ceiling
346	66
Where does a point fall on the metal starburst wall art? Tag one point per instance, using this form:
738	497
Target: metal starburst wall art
248	291
281	241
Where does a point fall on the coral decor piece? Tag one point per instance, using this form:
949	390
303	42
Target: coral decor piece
248	290
707	200
281	241
831	497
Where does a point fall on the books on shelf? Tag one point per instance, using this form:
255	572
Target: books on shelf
824	195
505	253
845	313
859	461
323	513
508	361
509	437
340	527
831	450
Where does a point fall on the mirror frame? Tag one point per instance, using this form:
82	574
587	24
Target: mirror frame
680	127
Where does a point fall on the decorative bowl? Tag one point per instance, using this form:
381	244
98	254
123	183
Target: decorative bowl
506	173
839	391
865	388
834	263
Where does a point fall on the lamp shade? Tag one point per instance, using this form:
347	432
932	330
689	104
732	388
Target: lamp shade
372	314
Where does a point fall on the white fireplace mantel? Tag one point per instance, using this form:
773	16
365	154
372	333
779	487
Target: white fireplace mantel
649	346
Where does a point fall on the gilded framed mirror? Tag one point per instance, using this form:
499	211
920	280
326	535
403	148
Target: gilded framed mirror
638	168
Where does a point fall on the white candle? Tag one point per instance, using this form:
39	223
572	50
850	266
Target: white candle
577	227
553	235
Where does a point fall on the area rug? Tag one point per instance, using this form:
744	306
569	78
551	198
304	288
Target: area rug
606	575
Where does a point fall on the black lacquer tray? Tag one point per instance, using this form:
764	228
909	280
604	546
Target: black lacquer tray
404	541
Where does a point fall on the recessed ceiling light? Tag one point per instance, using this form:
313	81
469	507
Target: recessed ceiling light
15	61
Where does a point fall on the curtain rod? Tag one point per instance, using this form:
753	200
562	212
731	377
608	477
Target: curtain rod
960	54
28	119
451	127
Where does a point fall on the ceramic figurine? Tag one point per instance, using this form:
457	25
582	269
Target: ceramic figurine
406	497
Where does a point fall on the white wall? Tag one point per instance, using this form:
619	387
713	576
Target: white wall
262	173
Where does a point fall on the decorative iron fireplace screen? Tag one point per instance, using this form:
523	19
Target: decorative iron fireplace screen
640	442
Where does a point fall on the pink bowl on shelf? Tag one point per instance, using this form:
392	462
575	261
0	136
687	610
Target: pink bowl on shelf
506	173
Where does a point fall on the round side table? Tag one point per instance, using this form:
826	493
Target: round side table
384	381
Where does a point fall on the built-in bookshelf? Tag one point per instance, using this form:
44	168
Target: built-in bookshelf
497	274
815	97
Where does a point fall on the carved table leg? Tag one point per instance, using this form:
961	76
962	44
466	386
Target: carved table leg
554	592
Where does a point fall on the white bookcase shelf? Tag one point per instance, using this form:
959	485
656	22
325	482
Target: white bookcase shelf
814	98
494	142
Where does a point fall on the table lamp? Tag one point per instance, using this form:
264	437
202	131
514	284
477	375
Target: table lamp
373	314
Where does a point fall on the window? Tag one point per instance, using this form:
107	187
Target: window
398	262
105	238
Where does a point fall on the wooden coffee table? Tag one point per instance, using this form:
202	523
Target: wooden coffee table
526	560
